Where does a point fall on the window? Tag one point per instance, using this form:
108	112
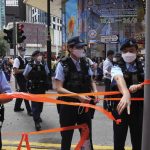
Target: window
11	2
54	26
54	18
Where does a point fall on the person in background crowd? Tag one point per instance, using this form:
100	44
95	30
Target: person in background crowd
117	58
18	68
7	65
36	73
100	71
127	76
74	75
107	65
4	88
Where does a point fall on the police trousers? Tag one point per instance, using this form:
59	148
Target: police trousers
37	107
69	116
107	83
1	122
22	88
134	123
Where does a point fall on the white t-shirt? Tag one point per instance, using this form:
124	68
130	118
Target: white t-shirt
17	62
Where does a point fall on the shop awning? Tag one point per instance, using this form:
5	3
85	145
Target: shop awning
55	6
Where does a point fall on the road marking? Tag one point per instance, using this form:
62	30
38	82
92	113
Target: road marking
12	145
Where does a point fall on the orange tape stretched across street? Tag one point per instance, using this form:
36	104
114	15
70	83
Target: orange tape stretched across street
47	98
44	98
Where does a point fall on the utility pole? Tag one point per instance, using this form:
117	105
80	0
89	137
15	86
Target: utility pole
49	41
14	44
146	117
14	36
37	37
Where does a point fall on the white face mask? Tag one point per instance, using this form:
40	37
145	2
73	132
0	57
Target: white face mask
114	59
39	58
83	54
78	53
129	57
22	53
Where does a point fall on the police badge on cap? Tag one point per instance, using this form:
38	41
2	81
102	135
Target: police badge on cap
76	41
37	52
129	43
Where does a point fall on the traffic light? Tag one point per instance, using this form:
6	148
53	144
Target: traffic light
20	31
9	35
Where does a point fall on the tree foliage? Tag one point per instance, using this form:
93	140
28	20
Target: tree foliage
4	46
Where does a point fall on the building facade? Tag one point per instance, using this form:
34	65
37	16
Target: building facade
2	14
11	2
104	24
15	11
35	15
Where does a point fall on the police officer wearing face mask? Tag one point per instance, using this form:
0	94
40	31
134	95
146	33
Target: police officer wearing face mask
36	73
18	68
73	75
127	76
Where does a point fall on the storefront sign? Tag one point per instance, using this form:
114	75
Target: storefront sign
109	38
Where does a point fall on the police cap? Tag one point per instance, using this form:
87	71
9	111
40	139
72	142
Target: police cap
37	52
76	41
129	43
21	48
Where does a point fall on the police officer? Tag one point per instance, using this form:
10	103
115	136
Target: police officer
73	75
18	68
127	76
36	73
4	88
107	65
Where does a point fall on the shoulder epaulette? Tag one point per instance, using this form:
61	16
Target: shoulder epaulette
64	59
30	62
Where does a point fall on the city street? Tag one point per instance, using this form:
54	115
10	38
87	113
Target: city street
70	39
20	122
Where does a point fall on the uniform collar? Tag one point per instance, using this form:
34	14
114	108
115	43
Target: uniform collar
75	61
128	65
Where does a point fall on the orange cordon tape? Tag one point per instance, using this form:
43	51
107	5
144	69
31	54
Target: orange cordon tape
46	98
146	82
84	135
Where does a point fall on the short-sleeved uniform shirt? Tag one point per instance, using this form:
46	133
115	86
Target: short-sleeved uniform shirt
28	68
17	62
4	85
59	73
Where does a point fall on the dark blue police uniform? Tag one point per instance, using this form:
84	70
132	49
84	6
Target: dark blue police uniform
37	83
133	74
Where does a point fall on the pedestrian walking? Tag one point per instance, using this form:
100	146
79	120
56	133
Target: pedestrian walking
7	65
128	76
74	75
18	68
36	73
